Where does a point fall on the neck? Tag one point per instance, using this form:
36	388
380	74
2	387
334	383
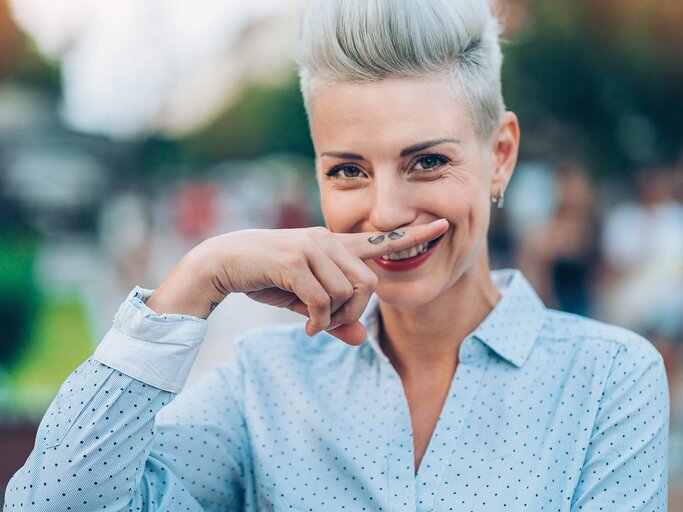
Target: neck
424	341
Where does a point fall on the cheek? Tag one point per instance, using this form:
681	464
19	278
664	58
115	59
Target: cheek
466	206
341	210
457	202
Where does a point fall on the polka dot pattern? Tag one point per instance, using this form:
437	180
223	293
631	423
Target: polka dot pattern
547	411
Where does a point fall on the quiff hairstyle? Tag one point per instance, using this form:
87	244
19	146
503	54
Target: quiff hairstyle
369	40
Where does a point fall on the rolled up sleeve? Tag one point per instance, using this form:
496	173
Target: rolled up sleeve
158	350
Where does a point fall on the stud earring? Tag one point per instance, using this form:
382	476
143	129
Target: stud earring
500	201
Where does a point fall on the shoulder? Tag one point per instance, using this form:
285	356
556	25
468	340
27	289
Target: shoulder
593	338
611	367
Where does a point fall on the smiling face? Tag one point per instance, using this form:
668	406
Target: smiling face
400	152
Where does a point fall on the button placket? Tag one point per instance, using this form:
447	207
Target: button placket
454	418
401	457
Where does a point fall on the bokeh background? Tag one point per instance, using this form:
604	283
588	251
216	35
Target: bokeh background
130	131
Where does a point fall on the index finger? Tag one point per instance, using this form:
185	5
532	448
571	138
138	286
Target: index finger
368	245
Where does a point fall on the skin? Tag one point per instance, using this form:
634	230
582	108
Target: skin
359	132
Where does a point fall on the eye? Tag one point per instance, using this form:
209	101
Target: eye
348	171
430	162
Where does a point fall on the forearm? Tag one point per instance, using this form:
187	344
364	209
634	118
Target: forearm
92	444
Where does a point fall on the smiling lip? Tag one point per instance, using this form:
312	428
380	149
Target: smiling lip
410	263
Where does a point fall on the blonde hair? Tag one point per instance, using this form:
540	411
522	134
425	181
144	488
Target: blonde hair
370	40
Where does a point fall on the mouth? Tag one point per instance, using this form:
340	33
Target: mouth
410	258
413	252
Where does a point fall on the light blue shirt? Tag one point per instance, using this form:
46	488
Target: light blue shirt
546	411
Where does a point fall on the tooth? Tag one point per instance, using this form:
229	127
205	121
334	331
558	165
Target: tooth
408	253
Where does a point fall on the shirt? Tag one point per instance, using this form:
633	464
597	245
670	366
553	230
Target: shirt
546	411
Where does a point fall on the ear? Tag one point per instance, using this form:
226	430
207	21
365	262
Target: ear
505	148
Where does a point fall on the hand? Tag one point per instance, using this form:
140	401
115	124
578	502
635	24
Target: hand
312	271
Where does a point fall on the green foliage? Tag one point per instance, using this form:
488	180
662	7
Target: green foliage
265	119
17	293
583	89
16	264
60	340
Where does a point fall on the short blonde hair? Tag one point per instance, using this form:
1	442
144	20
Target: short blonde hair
370	40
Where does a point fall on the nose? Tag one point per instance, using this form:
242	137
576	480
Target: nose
392	205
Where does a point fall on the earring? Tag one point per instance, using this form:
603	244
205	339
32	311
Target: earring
500	201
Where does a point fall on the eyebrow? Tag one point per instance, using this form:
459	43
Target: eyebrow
405	152
425	145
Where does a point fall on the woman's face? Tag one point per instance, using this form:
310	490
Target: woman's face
401	152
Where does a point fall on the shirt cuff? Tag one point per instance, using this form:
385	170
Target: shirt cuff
158	350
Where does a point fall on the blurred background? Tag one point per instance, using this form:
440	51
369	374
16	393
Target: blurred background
130	131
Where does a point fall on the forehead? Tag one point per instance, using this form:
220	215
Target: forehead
396	110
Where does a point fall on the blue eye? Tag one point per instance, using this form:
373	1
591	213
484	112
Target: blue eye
430	162
345	170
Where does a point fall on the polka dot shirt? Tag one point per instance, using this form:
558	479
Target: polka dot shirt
547	411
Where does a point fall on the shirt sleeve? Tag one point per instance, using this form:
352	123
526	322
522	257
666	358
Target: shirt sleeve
119	438
626	464
158	350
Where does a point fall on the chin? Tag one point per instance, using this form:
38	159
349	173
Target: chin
408	294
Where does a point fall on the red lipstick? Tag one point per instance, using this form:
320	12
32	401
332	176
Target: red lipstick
408	264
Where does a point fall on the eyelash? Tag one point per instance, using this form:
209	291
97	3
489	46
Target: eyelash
442	160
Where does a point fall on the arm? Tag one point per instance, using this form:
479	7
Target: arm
102	442
626	462
98	445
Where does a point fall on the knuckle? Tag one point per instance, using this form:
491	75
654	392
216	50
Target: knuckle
320	302
370	281
346	292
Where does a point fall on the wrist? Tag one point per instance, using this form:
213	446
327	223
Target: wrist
189	289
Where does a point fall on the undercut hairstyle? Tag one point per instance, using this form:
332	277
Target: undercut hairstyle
358	41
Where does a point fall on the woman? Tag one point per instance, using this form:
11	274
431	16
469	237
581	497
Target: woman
455	389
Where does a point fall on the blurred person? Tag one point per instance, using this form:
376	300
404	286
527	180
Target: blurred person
124	231
561	257
196	210
452	386
292	209
643	248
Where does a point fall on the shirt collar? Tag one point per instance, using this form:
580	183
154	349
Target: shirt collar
510	329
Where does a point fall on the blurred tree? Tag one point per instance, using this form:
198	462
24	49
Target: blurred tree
264	119
9	40
17	295
19	59
599	80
